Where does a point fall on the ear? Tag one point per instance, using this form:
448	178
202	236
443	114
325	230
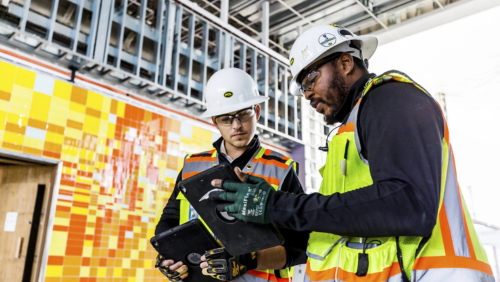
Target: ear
215	123
257	111
347	63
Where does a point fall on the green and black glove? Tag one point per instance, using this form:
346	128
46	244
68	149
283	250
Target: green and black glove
223	266
172	276
251	200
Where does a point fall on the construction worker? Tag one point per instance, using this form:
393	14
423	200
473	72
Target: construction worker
233	103
389	207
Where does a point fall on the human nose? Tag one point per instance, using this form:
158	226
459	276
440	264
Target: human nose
308	94
236	123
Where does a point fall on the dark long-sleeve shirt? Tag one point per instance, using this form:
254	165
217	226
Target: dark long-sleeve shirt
295	242
401	131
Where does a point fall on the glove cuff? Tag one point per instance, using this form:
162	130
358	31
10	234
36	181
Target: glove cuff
249	260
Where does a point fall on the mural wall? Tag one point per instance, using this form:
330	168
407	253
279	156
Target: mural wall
120	165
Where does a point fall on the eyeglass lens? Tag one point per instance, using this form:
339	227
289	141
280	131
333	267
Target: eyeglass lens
241	116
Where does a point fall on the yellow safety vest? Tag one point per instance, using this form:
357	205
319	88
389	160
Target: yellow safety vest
271	166
453	251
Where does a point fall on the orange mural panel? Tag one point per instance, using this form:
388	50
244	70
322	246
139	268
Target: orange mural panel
118	167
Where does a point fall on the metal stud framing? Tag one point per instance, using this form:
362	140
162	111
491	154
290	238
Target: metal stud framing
168	58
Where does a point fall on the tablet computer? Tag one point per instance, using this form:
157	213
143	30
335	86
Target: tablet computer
238	237
187	243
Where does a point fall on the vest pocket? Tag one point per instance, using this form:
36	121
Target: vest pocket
335	169
331	256
321	244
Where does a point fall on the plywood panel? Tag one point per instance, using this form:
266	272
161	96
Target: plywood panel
20	198
18	190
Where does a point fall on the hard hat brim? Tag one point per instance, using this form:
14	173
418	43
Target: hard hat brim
233	108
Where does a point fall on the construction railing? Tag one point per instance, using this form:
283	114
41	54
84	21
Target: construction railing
162	50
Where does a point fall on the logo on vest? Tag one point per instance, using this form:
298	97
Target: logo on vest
228	94
327	39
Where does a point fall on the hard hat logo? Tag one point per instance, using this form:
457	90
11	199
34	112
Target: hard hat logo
327	39
291	61
305	53
228	94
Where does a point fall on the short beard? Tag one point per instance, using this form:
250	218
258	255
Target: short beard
337	93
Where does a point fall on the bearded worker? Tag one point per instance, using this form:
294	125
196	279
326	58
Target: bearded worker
389	207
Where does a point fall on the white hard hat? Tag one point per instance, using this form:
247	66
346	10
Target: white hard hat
230	90
320	41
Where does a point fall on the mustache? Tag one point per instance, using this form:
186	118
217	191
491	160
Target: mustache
315	101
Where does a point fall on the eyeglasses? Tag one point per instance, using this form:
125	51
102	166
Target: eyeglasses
242	116
312	76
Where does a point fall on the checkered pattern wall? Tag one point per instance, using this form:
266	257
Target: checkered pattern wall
120	165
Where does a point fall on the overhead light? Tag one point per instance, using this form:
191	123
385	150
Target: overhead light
276	139
266	135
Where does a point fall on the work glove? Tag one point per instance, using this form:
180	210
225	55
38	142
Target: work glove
173	276
223	266
250	200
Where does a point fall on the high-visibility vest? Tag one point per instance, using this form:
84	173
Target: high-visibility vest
267	164
453	251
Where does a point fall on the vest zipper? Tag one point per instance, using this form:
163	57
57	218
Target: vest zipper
421	245
343	165
400	260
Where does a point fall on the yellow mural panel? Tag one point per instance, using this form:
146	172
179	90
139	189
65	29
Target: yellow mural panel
62	90
7	73
98	208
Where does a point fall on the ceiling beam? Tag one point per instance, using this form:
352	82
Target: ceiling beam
341	10
371	14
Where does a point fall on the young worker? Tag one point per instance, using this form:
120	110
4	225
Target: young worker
233	103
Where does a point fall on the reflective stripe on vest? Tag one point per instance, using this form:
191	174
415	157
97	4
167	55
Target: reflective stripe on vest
271	166
452	253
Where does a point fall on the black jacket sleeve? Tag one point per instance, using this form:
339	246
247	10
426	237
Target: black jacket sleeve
401	131
171	212
295	241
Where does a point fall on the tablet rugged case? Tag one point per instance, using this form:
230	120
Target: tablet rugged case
238	237
187	243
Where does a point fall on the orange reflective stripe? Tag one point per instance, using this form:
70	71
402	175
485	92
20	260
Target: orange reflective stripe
358	101
270	180
472	252
445	232
200	159
446	132
426	263
350	276
271	162
349	127
189	174
266	276
267	152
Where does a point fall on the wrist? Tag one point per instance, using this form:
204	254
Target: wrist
270	205
249	260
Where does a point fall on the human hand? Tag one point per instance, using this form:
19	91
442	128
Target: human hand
219	264
250	200
174	271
